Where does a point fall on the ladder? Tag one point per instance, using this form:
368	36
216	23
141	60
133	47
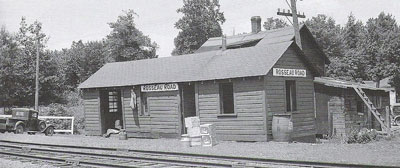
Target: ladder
372	108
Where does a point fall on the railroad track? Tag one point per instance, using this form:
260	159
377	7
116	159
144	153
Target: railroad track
81	156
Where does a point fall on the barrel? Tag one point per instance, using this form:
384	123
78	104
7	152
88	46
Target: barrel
281	127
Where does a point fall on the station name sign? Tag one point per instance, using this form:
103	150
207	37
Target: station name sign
289	72
160	87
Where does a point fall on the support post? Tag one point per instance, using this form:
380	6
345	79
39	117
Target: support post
37	76
296	23
387	109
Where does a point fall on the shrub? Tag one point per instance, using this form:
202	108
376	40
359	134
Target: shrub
65	111
363	136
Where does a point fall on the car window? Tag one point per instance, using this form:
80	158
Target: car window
34	115
19	114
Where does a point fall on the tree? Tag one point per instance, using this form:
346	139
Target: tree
126	42
201	20
327	34
81	61
350	66
381	47
9	51
276	23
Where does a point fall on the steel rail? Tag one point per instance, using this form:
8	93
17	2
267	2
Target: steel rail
130	158
234	159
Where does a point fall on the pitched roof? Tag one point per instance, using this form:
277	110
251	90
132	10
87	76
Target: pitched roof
205	65
332	82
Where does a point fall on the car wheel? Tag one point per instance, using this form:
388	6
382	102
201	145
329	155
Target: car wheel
19	129
397	120
50	131
42	126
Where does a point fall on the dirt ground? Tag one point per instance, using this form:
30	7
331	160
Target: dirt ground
382	152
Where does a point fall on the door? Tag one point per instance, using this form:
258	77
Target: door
110	109
187	102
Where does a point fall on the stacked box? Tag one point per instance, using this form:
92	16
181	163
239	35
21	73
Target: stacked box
195	141
192	125
208	135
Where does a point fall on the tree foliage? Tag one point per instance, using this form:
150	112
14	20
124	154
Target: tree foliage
201	20
276	23
125	42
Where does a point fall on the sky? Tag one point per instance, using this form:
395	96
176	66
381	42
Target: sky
65	21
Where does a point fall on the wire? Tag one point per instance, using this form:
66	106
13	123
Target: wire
290	6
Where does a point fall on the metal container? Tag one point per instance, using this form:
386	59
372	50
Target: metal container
123	135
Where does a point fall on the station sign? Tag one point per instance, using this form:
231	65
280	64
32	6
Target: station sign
160	87
289	72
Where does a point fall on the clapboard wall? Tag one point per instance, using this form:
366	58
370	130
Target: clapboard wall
91	102
304	118
249	121
163	119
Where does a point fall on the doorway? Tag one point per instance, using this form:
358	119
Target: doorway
188	104
110	109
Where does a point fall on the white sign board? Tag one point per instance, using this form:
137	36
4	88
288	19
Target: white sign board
289	72
160	87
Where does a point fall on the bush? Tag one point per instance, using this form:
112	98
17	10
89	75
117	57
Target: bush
363	136
65	111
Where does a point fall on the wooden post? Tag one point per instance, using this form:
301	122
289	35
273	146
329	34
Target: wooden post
37	76
387	120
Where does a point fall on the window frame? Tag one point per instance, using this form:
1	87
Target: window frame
291	96
113	101
222	110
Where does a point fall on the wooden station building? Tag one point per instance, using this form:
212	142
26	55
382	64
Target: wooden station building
237	83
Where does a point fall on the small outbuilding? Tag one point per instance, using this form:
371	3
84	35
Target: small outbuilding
340	109
238	84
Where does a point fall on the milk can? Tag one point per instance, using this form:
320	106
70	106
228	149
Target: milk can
123	135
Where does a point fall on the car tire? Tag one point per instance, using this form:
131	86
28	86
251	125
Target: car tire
42	126
397	120
49	131
19	129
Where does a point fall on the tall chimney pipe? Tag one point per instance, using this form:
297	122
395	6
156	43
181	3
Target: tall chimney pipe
255	24
223	43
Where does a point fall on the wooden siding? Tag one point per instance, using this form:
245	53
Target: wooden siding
162	121
341	115
304	118
249	122
312	52
91	102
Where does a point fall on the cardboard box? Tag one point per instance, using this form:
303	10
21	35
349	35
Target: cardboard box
193	132
207	129
191	122
208	140
195	141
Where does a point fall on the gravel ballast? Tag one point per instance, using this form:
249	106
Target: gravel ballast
384	152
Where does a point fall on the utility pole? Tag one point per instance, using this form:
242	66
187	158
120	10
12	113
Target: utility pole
37	75
295	17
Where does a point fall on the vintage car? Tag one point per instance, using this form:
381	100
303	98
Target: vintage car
25	120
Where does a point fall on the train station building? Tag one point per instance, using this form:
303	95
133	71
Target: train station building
237	83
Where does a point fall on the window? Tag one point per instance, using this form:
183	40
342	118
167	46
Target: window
144	106
398	97
290	96
360	107
226	98
112	101
378	102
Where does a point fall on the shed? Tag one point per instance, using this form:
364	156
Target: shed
238	89
340	109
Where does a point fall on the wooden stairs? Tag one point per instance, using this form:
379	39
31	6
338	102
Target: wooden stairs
372	109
